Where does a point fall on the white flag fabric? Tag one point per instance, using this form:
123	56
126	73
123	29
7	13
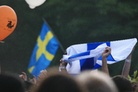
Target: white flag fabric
88	55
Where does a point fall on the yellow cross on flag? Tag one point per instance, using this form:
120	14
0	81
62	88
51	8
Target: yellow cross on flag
44	51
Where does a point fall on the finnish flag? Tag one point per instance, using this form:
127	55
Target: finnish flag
89	55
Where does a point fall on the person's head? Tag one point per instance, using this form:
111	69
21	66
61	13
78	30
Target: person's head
135	86
96	81
10	83
58	82
122	83
28	85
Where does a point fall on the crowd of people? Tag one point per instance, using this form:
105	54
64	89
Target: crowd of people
57	79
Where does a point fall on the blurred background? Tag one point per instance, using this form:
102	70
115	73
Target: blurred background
73	22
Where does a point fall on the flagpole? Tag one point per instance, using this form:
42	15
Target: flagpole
61	46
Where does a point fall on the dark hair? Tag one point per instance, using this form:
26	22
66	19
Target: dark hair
28	85
59	83
10	83
135	86
122	83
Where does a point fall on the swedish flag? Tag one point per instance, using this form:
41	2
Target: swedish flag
44	51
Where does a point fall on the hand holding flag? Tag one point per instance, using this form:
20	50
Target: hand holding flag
89	55
106	52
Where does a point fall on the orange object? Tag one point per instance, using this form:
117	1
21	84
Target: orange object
8	21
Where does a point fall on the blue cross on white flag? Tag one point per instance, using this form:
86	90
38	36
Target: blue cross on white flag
88	55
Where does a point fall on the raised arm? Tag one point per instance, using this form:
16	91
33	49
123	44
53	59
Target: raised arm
105	54
127	64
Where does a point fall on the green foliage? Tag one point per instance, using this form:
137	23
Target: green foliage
134	77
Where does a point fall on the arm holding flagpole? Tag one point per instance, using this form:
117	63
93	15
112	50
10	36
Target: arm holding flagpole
105	54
